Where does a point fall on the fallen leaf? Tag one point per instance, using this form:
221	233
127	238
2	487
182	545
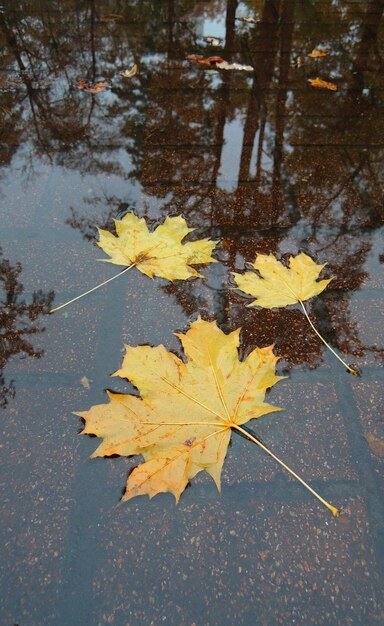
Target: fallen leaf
214	41
234	66
248	20
322	84
181	424
5	110
204	61
92	87
157	253
279	286
194	57
111	17
85	382
219	63
376	445
315	54
298	62
129	73
182	421
212	61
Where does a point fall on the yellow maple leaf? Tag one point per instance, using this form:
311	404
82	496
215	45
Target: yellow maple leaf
280	286
158	253
183	420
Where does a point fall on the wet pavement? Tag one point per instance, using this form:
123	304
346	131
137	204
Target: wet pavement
263	162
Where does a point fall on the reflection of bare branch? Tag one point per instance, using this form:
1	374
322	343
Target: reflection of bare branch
88	225
16	316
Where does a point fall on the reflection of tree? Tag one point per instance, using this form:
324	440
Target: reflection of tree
49	57
170	127
16	321
327	208
88	225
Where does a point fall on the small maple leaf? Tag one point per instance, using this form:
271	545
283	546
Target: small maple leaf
158	253
279	286
322	84
182	422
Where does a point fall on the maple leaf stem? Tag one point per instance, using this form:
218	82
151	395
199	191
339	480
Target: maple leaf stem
333	509
350	369
93	289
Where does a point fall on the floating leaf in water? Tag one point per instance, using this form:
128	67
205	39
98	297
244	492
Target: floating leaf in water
219	63
213	41
316	53
278	286
234	66
212	61
183	419
158	253
5	110
129	73
93	87
376	445
85	382
298	62
248	20
111	17
322	84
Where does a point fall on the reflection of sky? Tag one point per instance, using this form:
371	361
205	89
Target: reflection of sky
35	196
266	162
215	28
230	155
372	264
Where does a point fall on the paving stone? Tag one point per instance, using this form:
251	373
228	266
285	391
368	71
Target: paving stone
243	561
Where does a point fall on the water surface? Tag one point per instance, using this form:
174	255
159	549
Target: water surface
263	162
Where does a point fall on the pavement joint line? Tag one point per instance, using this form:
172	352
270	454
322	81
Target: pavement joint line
364	468
84	560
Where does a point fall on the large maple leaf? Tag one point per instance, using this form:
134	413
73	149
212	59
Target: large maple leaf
181	423
279	286
161	252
